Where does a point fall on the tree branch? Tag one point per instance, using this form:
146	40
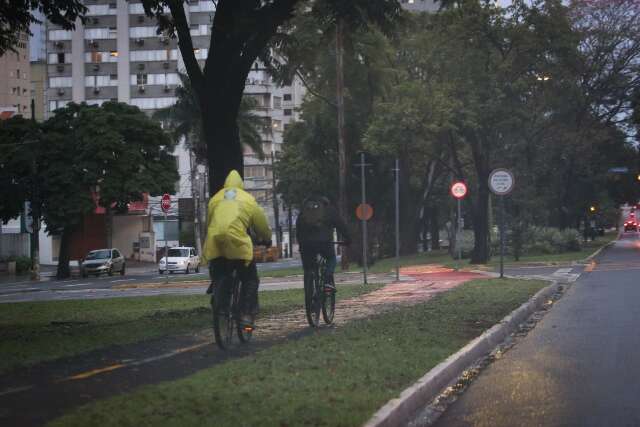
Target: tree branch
186	45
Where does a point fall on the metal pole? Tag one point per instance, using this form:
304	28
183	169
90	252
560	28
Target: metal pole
397	171
501	236
166	250
364	222
276	209
458	231
35	213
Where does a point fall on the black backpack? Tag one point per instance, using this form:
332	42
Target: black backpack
314	213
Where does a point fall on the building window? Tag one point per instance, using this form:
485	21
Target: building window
113	77
60	82
61	58
154	55
99	33
55	35
287	97
113	53
54	105
153	103
277	102
287	112
141	79
136	8
17	74
142	32
98	81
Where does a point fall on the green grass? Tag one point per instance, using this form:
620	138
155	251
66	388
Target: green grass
336	378
33	332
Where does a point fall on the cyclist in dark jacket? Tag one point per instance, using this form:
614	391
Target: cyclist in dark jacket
314	232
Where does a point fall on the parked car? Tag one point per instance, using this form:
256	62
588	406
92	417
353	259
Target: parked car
103	261
182	258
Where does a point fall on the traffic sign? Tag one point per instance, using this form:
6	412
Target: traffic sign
165	202
459	190
501	182
364	211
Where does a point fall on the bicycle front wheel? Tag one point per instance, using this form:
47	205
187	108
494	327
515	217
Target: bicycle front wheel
222	321
328	307
312	298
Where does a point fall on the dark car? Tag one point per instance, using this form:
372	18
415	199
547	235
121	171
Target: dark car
101	261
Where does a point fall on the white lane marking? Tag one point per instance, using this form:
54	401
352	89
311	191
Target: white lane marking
15	390
122	280
76	284
563	271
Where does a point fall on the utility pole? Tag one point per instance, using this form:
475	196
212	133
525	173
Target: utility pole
342	151
290	233
35	211
276	213
196	202
397	185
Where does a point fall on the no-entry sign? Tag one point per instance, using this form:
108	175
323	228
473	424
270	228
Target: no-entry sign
165	202
364	211
459	190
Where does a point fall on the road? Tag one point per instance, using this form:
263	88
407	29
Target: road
110	286
579	366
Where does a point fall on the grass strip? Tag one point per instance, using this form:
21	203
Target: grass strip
336	378
32	332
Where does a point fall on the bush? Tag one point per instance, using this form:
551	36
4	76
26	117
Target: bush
23	263
547	240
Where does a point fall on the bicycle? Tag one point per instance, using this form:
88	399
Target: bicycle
226	317
316	297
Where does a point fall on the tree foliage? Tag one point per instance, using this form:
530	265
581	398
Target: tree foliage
114	151
16	15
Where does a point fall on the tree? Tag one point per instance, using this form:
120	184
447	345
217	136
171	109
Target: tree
16	15
241	32
114	151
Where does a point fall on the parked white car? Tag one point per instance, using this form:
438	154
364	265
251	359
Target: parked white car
181	258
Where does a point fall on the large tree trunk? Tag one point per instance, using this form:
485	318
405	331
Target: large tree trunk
434	226
480	154
64	271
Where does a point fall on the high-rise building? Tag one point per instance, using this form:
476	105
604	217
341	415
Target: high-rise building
117	54
38	87
37	42
15	79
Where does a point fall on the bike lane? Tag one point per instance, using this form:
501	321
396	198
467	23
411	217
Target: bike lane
35	395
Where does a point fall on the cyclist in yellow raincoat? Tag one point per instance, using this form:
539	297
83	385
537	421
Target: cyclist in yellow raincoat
232	212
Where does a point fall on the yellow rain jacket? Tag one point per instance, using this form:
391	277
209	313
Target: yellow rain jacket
232	211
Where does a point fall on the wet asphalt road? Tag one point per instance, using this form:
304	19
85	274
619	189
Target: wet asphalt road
579	367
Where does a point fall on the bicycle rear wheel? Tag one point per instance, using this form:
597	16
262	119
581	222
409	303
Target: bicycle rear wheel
222	319
328	297
312	297
244	334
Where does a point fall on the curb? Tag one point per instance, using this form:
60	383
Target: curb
398	411
597	252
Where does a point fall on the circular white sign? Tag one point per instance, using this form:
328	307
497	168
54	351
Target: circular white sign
459	190
501	182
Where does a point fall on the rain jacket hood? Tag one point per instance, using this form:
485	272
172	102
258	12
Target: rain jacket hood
234	180
231	213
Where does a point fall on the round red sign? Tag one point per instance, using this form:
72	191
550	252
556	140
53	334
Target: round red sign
459	190
165	202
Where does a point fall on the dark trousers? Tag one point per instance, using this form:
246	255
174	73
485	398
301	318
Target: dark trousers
308	252
221	269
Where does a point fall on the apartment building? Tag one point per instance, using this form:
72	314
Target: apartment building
15	80
117	54
420	5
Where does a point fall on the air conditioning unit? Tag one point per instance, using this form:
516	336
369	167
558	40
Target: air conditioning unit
140	88
58	44
165	65
95	21
140	18
167	88
140	41
140	66
60	91
96	89
96	67
164	40
60	67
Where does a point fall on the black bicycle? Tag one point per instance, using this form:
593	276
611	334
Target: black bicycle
226	313
318	298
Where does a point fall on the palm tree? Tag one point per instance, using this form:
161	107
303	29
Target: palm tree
184	120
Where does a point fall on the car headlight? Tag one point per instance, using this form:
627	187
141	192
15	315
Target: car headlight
162	262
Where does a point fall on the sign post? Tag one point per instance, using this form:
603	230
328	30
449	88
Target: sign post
165	205
363	165
458	191
501	182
